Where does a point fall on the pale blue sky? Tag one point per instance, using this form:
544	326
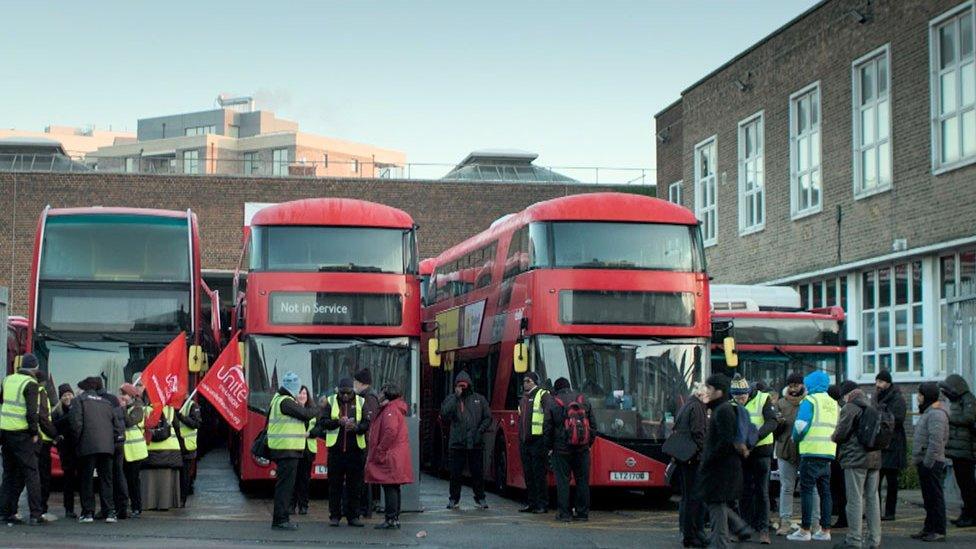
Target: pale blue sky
578	83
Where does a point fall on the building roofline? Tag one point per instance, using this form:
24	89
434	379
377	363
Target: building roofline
673	103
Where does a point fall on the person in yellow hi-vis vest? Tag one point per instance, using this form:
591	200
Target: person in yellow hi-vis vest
532	446
18	435
286	442
47	435
343	423
754	505
814	426
160	473
135	450
188	422
299	498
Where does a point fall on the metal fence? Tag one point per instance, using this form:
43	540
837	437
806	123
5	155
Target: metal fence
180	165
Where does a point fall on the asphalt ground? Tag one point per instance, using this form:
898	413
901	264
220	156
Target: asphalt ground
220	516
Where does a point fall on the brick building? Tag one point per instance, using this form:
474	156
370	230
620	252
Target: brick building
838	156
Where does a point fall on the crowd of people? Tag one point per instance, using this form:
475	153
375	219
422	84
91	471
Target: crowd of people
835	441
95	431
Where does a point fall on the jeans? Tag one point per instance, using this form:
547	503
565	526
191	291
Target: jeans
104	464
787	487
965	471
474	458
286	469
690	508
890	477
391	496
862	500
577	464
720	515
533	454
815	479
755	493
933	496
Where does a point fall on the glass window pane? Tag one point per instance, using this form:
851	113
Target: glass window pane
803	289
814	108
802	114
969	133
916	282
884	164
882	76
868	168
967	273
868	329
966	36
803	158
947	45
884	287
884	362
947	85
901	284
901	328
867	126
883	125
967	83
817	294
950	139
815	189
815	149
868	279
917	361
884	329
870	364
831	296
843	292
917	321
948	269
867	83
901	362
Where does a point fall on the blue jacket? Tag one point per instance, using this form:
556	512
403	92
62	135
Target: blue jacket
815	382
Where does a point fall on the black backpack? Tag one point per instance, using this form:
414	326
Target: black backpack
876	427
576	423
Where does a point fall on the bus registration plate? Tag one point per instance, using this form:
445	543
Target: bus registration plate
321	469
629	476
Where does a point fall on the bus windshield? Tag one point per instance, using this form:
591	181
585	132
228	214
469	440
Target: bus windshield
104	307
772	368
598	245
320	363
114	361
332	249
115	248
635	386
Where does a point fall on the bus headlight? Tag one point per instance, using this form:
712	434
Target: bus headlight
261	461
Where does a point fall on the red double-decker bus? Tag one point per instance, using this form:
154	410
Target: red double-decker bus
608	290
109	288
324	287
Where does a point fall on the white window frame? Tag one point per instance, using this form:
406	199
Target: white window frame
914	304
935	89
702	206
856	109
252	162
191	161
759	193
795	211
674	192
279	166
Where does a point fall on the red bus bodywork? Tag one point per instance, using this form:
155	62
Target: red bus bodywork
532	308
252	304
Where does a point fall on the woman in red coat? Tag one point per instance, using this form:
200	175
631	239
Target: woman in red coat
388	460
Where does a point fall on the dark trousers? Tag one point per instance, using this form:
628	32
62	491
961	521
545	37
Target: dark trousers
132	471
186	480
474	458
577	464
286	469
890	479
690	508
120	486
755	493
303	478
838	492
965	471
345	482
533	453
723	517
815	473
44	472
933	497
19	472
70	483
369	496
104	464
391	495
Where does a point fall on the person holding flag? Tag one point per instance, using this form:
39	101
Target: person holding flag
165	381
225	387
188	421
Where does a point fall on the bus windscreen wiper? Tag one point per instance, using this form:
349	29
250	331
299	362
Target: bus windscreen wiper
349	268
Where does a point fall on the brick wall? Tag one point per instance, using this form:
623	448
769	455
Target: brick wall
446	212
921	207
669	149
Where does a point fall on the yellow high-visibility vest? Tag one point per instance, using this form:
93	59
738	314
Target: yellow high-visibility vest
538	414
135	448
312	442
284	431
332	436
817	441
755	409
41	398
188	435
171	443
13	410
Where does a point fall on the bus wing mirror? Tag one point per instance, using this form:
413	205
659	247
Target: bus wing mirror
195	358
433	357
17	360
520	358
731	356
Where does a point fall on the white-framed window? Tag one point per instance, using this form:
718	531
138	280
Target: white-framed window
706	187
957	280
674	193
871	85
252	163
828	292
279	162
355	165
892	319
953	88
806	195
752	197
191	161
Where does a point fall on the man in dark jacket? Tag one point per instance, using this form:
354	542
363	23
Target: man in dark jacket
720	477
362	384
687	439
67	448
532	446
469	414
962	444
860	467
97	428
568	458
344	424
894	458
188	422
755	490
286	441
18	436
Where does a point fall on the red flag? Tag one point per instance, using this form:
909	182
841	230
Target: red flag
225	387
166	378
